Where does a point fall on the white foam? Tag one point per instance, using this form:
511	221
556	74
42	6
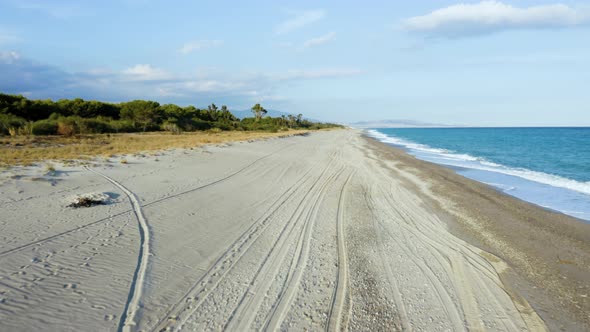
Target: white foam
450	158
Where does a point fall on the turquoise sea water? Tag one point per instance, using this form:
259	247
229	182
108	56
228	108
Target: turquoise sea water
546	166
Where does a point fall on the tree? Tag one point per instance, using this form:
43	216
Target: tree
143	113
258	111
291	120
226	115
212	108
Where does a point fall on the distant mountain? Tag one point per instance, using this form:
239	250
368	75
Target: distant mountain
396	124
248	114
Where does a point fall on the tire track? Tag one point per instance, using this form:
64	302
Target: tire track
40	241
253	296
241	170
299	261
393	283
127	322
442	294
457	262
335	319
437	244
241	246
24	246
465	268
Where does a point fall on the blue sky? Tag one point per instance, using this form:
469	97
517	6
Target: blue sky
453	62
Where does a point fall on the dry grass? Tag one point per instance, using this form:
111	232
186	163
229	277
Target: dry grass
27	150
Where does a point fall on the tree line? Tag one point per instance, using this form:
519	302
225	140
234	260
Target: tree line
22	116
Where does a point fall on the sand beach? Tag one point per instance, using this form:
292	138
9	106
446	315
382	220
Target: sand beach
326	231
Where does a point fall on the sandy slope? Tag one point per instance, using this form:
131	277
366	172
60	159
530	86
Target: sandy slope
299	233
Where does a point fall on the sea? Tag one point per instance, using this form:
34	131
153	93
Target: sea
549	167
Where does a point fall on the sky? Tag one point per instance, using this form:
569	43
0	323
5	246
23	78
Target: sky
481	63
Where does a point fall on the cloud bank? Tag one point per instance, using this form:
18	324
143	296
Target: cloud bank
492	16
21	75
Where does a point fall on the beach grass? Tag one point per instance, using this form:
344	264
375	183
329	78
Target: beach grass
22	150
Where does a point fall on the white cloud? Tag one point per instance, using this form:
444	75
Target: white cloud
299	21
319	40
143	72
491	16
197	45
212	85
145	81
9	57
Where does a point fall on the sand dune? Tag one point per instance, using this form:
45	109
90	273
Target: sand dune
298	233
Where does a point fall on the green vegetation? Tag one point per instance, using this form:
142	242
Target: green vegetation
258	111
20	116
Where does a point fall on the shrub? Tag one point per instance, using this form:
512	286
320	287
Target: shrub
171	127
10	124
44	127
95	126
215	130
198	124
50	169
26	130
123	126
223	126
67	127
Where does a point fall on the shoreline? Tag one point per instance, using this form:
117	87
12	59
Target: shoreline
459	169
545	188
548	251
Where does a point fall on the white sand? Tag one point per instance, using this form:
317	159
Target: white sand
296	233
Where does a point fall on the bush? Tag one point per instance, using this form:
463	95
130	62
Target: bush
44	127
95	126
223	126
122	126
171	127
10	124
67	126
198	124
215	130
